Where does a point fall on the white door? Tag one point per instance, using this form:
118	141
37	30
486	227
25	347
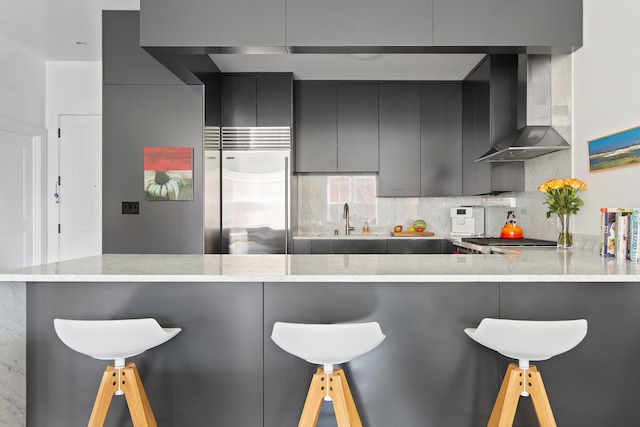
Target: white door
80	186
21	230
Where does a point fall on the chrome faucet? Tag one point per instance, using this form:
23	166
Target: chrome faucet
345	215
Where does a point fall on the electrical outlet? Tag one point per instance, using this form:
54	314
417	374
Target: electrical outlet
130	208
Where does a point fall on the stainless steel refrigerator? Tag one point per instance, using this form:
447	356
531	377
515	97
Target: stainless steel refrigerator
254	185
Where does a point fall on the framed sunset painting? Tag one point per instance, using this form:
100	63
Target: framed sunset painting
168	173
615	151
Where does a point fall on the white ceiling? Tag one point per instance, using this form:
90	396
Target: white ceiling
52	29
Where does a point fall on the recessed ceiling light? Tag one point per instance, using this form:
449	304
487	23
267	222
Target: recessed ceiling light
82	44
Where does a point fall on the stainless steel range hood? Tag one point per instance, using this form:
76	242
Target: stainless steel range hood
535	135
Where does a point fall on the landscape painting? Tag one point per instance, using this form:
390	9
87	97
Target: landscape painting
615	151
168	173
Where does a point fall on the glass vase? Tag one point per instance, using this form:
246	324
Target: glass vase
565	238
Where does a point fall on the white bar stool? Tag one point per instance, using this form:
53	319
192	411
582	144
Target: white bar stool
328	345
116	340
526	340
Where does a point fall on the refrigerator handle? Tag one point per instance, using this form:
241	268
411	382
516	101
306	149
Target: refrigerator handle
286	205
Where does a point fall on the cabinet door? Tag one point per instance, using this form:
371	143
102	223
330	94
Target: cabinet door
441	139
357	128
316	127
274	100
507	23
399	140
238	100
414	246
359	23
198	23
476	177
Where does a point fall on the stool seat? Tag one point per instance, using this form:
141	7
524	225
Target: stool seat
529	339
116	340
112	339
327	344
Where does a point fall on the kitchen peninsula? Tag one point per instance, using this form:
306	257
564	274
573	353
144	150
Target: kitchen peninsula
223	369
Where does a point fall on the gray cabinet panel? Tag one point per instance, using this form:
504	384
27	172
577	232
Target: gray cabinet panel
414	246
274	100
357	128
359	23
207	23
316	127
256	99
238	100
399	140
427	363
123	60
301	246
441	139
209	374
507	23
138	116
610	347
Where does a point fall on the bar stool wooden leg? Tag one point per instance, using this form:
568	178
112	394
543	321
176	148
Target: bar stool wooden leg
137	400
313	403
108	386
504	410
131	385
342	387
539	397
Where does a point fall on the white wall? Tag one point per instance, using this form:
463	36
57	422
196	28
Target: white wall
22	85
71	88
606	94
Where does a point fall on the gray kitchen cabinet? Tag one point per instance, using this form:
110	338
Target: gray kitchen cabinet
399	106
507	23
359	23
316	124
123	61
489	116
256	100
336	127
441	139
348	245
414	246
301	246
197	23
358	127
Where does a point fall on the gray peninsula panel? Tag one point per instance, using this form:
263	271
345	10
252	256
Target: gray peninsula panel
426	372
210	374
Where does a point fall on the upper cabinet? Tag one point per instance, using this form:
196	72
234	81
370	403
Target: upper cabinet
399	140
316	126
203	23
507	23
357	127
336	127
441	139
256	99
359	23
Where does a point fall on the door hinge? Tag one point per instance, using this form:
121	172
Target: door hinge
58	228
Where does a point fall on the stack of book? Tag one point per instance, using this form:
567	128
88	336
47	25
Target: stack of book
620	233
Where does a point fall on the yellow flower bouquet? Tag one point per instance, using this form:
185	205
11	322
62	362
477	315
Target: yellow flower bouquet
563	200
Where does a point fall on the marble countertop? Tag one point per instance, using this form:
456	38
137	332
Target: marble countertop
522	265
377	235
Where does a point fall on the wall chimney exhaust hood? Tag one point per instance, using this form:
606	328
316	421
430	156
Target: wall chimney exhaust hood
535	135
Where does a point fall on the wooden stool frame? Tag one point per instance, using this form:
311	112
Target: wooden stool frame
517	380
131	385
335	386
